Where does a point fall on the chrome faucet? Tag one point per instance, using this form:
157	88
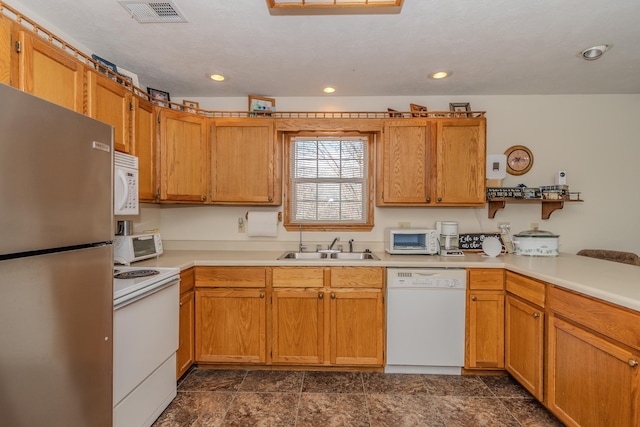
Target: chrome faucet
337	239
301	247
350	245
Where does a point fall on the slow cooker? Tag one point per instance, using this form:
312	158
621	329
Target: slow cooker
536	243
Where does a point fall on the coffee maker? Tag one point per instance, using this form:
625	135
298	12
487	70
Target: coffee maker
448	236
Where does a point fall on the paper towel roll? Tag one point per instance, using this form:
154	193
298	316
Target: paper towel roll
262	224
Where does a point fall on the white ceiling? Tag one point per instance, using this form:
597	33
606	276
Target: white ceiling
492	47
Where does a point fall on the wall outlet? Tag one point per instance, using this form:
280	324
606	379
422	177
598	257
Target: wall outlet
404	224
506	225
241	225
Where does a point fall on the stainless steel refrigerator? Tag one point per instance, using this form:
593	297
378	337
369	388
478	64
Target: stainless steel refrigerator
56	265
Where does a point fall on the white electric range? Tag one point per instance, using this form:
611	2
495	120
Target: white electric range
145	340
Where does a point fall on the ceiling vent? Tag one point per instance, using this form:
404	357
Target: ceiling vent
153	11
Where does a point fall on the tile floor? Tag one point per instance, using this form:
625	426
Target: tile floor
293	398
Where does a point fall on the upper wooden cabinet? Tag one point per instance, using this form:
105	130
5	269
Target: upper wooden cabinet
404	163
48	72
432	162
245	162
145	147
461	162
110	102
184	159
6	49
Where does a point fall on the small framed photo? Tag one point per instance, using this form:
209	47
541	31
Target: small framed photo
103	65
418	110
261	105
159	97
460	108
191	106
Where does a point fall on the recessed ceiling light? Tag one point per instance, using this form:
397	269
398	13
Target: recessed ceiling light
329	89
594	52
217	77
440	75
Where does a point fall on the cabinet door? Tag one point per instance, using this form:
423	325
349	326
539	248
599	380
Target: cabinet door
231	325
145	148
357	327
184	165
298	326
245	165
48	72
6	49
485	330
110	102
404	164
524	338
185	354
592	382
461	162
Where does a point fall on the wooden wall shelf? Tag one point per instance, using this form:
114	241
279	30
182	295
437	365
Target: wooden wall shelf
548	206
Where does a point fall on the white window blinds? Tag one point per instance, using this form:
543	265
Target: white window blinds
329	179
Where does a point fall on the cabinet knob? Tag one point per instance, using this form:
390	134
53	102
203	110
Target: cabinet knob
261	294
270	199
428	199
320	295
439	199
333	296
633	363
203	198
536	315
473	298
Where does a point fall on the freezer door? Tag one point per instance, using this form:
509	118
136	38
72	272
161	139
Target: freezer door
55	175
56	323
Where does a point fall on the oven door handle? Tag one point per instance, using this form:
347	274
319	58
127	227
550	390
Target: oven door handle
144	292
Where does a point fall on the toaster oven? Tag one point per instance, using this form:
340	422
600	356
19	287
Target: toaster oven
412	241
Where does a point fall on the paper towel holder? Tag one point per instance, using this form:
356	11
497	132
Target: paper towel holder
246	216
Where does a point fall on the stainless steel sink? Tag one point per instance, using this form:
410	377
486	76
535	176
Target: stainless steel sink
303	255
354	255
329	255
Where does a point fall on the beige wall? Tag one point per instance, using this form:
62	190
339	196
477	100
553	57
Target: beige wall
592	137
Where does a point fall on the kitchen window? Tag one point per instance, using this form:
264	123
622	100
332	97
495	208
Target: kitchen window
328	181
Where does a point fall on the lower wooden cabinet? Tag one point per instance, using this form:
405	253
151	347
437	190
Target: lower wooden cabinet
331	316
485	319
524	344
524	331
230	325
185	355
593	382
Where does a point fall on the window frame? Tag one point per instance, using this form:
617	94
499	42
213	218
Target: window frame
329	226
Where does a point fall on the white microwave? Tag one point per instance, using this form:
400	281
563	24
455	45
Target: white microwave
411	241
136	247
125	184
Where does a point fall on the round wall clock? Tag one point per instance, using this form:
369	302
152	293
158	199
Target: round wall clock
519	159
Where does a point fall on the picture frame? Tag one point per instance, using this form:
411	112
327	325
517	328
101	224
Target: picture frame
418	110
159	96
261	105
103	64
461	109
191	106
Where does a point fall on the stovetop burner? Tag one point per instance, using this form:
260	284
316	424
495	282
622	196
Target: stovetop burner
134	274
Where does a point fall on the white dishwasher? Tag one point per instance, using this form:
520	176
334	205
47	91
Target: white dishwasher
425	320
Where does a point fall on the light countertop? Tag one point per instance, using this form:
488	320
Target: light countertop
609	281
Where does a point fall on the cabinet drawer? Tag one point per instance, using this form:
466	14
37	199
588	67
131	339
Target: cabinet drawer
486	278
298	277
617	323
357	277
236	277
187	280
528	289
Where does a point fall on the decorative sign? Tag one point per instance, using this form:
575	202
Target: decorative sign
472	242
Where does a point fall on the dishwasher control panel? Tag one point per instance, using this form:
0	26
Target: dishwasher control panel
426	278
